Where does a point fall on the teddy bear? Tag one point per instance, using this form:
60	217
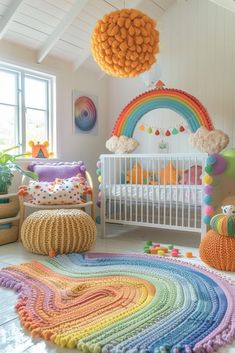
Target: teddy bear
228	210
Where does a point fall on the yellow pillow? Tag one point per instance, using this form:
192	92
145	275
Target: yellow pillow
135	175
168	174
139	176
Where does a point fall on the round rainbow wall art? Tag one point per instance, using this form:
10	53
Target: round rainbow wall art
183	103
85	113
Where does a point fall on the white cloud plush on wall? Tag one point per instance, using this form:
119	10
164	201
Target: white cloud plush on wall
122	144
209	141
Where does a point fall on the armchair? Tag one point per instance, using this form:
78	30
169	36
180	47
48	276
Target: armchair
48	172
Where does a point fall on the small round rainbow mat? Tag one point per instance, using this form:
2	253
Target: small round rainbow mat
124	303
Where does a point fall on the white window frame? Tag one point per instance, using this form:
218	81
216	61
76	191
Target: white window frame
20	130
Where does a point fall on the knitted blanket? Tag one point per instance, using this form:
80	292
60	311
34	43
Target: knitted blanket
124	303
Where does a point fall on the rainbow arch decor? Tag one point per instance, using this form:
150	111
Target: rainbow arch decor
124	303
183	103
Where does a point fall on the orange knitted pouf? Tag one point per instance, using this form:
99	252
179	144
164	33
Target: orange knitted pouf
218	251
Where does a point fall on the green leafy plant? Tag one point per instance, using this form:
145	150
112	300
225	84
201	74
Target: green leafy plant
8	165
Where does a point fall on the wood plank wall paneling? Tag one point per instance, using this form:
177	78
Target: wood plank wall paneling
198	55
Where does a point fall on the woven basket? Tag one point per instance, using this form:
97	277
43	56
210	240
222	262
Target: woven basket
63	231
11	208
218	251
9	235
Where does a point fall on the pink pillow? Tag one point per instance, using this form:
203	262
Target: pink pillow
192	176
59	192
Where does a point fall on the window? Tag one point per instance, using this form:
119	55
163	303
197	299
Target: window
26	107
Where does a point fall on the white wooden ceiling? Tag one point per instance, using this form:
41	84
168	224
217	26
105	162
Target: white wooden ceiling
63	28
227	4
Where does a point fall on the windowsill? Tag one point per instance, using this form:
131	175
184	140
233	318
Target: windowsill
30	159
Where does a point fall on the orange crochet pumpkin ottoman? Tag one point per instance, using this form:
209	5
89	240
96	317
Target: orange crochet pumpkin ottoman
217	248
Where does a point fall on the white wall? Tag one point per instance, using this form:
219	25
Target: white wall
197	54
71	147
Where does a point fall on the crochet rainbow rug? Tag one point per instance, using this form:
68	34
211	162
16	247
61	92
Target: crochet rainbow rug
124	303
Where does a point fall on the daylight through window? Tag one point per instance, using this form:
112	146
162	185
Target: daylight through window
26	107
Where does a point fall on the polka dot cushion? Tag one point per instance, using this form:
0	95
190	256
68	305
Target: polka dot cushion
60	191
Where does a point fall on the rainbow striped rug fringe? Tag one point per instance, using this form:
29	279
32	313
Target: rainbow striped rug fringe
124	303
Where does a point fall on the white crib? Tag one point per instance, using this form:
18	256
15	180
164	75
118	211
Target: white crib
153	190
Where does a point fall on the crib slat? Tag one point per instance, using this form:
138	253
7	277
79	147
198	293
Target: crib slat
195	193
159	195
177	193
153	188
131	188
115	190
126	187
189	192
165	191
109	186
136	190
120	183
147	216
183	193
142	197
170	192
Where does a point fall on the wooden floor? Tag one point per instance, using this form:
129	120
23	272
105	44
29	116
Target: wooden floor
13	339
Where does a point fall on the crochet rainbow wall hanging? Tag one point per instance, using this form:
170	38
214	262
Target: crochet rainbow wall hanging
124	303
183	103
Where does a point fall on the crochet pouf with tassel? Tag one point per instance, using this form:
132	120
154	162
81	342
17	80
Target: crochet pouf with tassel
62	231
217	248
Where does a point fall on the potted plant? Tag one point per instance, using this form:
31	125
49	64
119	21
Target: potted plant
7	166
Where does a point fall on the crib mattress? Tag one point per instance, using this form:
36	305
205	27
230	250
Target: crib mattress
187	194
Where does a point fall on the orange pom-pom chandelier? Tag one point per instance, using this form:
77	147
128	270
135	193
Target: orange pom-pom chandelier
124	43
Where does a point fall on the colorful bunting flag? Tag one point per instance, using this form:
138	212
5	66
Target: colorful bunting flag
175	130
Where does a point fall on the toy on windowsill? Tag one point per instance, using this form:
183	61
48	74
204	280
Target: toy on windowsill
40	150
170	250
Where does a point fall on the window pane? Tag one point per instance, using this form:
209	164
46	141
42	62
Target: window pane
7	126
35	93
36	126
8	87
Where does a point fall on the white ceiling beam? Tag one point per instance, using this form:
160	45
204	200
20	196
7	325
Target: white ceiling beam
80	61
226	4
60	29
9	16
101	75
133	3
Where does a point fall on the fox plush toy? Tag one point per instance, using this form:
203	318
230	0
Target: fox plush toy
40	150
